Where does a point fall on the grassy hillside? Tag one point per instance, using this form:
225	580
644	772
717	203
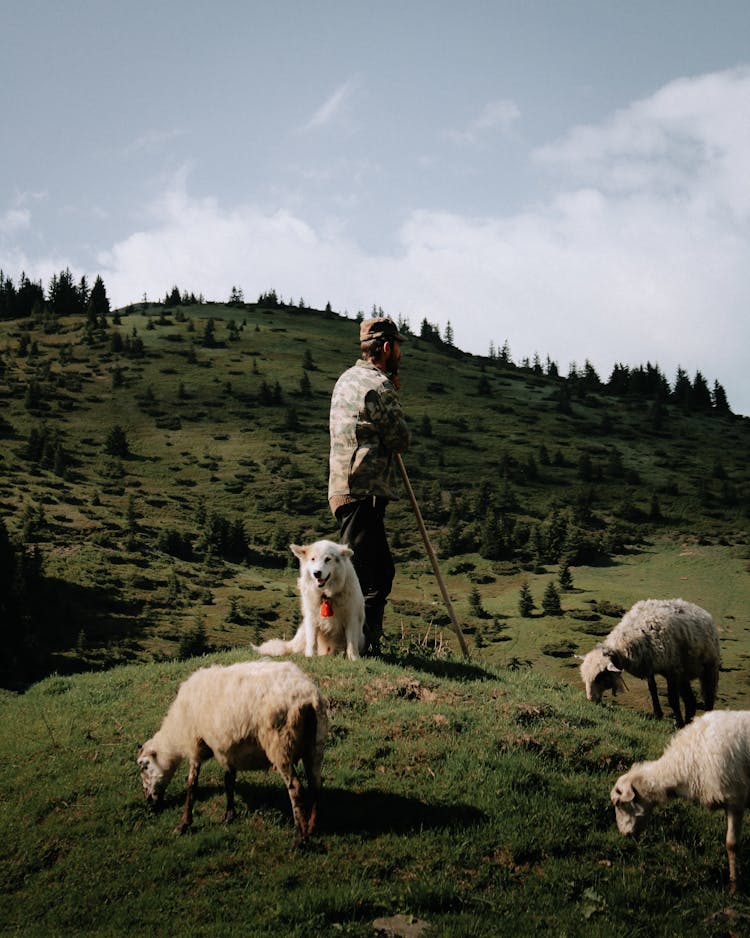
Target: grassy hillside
152	476
473	799
157	470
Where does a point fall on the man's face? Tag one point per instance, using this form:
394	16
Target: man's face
393	358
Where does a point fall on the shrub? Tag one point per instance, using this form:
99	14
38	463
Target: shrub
193	642
116	443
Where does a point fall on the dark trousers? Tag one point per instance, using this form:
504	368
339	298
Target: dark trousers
361	527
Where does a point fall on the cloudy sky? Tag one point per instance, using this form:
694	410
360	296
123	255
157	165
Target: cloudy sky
572	176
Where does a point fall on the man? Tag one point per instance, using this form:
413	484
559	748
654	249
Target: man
367	427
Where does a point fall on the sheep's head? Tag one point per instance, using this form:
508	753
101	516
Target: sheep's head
631	810
154	776
600	673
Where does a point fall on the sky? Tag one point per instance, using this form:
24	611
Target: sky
571	177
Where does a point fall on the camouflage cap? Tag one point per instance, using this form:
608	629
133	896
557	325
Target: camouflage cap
381	328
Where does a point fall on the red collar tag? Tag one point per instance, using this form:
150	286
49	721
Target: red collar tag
326	609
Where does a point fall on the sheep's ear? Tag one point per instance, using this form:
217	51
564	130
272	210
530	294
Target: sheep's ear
613	667
145	756
299	552
637	806
623	793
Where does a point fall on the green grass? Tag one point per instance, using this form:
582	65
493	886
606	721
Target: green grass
474	799
474	796
203	441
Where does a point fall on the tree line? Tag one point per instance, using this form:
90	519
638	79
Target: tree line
63	297
644	382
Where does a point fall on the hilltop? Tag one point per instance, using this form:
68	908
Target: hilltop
472	799
153	472
155	467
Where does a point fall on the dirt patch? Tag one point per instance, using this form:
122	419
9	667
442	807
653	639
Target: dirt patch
405	688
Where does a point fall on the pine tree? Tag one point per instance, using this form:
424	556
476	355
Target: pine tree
116	443
719	399
682	389
475	604
565	577
525	602
700	398
551	601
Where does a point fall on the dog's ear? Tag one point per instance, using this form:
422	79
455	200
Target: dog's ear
346	551
299	552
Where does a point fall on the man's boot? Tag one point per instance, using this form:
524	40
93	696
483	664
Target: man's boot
373	629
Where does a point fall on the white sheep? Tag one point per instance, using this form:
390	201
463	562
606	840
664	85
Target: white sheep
251	715
707	762
659	636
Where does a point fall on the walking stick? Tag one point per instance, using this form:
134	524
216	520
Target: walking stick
431	555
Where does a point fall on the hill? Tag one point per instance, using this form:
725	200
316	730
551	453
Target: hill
472	799
154	469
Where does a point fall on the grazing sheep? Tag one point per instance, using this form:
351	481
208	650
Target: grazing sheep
659	636
251	715
708	763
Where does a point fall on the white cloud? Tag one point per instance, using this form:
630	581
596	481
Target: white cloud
690	140
332	106
497	116
14	220
152	140
647	261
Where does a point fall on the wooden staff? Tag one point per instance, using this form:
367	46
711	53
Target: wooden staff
431	555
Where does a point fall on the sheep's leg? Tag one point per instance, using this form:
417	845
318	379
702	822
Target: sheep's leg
690	703
709	680
192	786
734	832
673	696
654	697
229	779
294	787
312	765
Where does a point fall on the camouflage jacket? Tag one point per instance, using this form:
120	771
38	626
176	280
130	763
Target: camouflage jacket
367	426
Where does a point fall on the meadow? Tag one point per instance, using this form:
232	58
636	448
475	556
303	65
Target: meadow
471	799
157	468
472	796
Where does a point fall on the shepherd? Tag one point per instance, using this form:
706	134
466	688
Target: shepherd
368	428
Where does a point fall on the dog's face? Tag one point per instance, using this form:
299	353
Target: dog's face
322	562
153	777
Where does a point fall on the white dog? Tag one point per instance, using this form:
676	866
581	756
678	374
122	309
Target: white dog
333	608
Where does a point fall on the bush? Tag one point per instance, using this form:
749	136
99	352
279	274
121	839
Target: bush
116	443
193	642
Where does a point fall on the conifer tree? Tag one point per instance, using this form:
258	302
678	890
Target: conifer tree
551	601
565	577
475	603
525	601
719	399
